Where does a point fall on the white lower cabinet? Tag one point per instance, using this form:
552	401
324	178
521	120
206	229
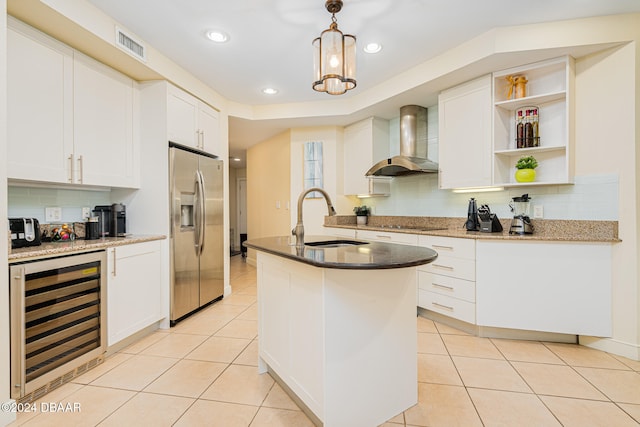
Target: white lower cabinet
134	294
447	285
386	236
342	232
545	286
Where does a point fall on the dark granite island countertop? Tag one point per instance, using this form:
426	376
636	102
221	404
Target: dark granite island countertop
366	256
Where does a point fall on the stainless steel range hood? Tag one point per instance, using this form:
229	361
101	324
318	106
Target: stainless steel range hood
413	147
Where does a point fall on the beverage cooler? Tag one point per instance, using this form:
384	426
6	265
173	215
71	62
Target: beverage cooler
58	321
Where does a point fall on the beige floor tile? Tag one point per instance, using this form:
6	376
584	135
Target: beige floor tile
271	417
578	355
187	378
135	373
201	325
619	386
57	395
506	408
219	309
391	424
489	373
469	346
430	343
633	364
442	405
448	330
249	355
219	349
426	325
95	403
587	413
147	409
398	419
108	364
277	398
174	345
240	384
557	380
239	300
247	329
632	410
437	369
248	290
217	414
145	342
526	351
251	313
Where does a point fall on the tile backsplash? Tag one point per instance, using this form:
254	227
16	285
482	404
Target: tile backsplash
31	202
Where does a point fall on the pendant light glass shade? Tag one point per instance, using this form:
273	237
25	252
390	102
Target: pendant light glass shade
334	62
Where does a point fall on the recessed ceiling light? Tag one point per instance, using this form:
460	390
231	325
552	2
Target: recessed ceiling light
217	36
269	91
373	48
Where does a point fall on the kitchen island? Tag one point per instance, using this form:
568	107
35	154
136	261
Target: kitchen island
337	325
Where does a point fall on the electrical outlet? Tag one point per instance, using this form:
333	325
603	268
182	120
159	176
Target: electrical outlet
53	214
86	212
538	212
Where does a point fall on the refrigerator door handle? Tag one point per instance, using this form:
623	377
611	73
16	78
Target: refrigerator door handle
201	207
197	217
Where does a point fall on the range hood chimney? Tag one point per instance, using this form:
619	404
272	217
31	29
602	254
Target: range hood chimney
413	147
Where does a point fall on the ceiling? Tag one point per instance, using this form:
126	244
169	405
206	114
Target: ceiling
270	42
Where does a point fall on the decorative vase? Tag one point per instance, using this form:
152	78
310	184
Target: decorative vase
361	219
525	175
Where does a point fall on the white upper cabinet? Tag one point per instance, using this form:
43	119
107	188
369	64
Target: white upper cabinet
192	123
39	106
70	119
465	134
365	143
103	110
550	90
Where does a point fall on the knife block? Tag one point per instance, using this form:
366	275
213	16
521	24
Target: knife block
492	225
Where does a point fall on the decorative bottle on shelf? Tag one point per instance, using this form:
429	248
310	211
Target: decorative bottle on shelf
519	130
528	130
536	135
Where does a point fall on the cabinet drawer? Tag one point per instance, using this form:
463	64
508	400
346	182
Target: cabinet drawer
450	246
452	267
386	236
452	307
445	285
342	232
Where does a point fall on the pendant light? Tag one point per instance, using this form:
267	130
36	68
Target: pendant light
334	57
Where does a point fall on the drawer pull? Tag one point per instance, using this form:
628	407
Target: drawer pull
449	288
446	307
383	237
449	248
445	267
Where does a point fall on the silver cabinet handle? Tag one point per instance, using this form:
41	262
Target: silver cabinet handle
449	288
445	267
113	272
446	307
81	168
449	248
382	236
70	167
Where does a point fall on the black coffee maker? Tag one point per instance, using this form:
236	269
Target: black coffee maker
112	218
473	223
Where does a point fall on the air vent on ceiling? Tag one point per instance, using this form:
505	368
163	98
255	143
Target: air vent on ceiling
133	47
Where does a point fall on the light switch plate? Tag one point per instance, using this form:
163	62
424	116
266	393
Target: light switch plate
86	212
538	212
53	214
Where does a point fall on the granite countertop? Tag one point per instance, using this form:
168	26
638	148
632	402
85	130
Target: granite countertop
367	256
544	230
52	249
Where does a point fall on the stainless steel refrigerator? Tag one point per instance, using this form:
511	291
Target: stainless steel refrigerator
197	253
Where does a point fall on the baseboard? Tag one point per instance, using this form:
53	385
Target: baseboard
610	345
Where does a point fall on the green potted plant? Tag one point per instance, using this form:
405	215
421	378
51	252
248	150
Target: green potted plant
525	169
362	213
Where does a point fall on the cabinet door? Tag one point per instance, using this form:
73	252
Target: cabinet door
39	107
103	125
209	128
133	289
465	134
182	116
365	143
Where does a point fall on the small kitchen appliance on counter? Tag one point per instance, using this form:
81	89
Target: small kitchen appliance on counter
112	219
521	223
472	224
489	222
24	232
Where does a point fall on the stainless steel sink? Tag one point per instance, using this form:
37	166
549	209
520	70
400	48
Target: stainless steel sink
335	243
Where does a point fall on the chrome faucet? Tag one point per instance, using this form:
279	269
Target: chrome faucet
298	231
